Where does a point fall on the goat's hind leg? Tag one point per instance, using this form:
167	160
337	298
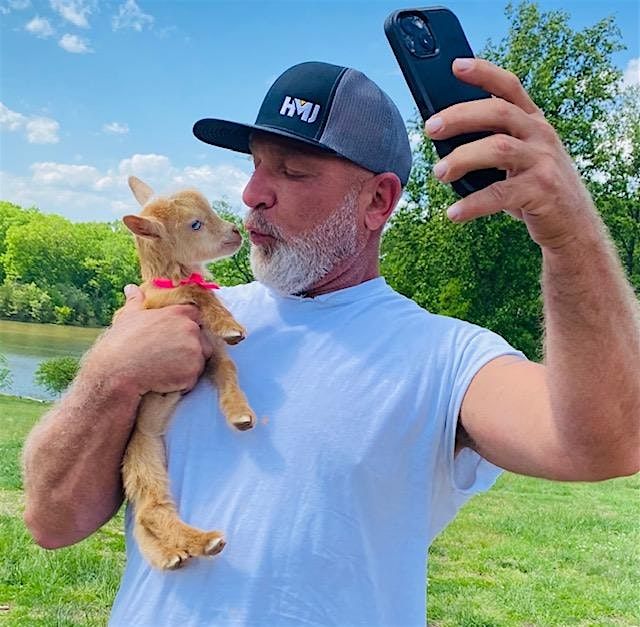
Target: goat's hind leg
163	539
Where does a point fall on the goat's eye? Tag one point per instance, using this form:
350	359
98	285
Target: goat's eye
196	225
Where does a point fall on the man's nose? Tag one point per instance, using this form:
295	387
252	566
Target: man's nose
258	190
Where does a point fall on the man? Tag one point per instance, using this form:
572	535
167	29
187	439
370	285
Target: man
377	420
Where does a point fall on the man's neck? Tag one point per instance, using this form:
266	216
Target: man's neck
351	272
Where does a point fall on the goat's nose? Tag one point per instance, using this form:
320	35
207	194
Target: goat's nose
236	230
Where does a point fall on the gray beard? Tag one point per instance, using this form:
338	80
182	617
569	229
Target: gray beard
294	265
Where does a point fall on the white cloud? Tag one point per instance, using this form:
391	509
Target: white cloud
39	27
74	11
64	174
631	74
115	128
223	180
42	131
130	15
150	165
39	130
14	5
75	44
10	120
83	192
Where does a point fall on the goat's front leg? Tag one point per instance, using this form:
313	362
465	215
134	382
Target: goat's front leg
224	375
215	316
163	539
217	319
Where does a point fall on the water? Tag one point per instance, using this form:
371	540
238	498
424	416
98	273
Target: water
25	345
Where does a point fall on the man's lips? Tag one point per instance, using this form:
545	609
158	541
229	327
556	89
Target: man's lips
257	237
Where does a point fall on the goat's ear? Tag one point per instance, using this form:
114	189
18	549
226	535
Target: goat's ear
140	190
143	226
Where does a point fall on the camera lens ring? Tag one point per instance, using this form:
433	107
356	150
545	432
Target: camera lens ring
417	35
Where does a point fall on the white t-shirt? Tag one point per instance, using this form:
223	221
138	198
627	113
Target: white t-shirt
330	503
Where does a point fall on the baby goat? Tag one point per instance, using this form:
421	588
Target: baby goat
174	237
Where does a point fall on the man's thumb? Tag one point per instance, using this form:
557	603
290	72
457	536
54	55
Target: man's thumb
133	294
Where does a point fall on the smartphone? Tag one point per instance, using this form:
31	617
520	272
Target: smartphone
425	42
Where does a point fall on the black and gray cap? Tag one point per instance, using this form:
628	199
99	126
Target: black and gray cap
336	109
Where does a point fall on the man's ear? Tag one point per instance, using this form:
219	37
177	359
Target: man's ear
144	226
140	190
383	192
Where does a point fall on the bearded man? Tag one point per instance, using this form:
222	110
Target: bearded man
377	419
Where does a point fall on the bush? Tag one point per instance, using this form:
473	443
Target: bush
56	374
5	374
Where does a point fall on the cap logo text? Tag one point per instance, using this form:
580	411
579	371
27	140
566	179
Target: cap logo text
306	110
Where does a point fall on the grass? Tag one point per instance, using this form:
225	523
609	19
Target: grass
74	586
527	553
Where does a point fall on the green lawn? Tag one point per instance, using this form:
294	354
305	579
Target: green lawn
526	553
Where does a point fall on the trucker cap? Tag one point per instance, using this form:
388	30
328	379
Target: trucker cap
336	109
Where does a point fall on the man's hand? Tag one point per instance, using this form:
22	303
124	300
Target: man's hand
159	350
542	186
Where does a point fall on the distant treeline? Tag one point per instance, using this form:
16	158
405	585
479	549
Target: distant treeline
57	271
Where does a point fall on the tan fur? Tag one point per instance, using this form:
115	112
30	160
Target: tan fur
168	247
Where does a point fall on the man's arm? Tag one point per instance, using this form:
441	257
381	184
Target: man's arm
578	416
72	457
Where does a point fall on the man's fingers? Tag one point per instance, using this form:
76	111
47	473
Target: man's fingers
491	199
207	346
191	311
134	297
488	114
495	80
497	151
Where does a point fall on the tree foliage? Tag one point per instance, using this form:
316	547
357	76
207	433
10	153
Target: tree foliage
56	271
616	186
487	271
56	374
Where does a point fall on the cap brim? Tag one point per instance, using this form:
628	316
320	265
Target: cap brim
236	136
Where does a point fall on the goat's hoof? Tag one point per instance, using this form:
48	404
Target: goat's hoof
214	546
174	562
233	336
243	422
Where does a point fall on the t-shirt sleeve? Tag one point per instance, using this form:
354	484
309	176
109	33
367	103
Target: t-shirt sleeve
463	475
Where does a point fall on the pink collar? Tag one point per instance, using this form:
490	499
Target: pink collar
192	279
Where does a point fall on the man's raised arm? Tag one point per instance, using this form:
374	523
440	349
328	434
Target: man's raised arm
73	455
578	416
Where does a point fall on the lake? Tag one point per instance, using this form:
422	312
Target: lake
26	344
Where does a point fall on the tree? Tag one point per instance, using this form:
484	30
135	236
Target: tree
10	215
77	270
113	263
487	271
616	188
27	303
56	374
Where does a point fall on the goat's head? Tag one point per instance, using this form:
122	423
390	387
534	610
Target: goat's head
183	227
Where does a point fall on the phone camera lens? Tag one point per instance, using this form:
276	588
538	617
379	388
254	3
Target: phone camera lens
417	36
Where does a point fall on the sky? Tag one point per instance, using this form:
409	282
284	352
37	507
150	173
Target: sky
93	91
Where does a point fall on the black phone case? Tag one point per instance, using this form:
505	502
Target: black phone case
433	85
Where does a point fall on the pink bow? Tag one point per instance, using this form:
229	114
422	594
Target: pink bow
192	279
